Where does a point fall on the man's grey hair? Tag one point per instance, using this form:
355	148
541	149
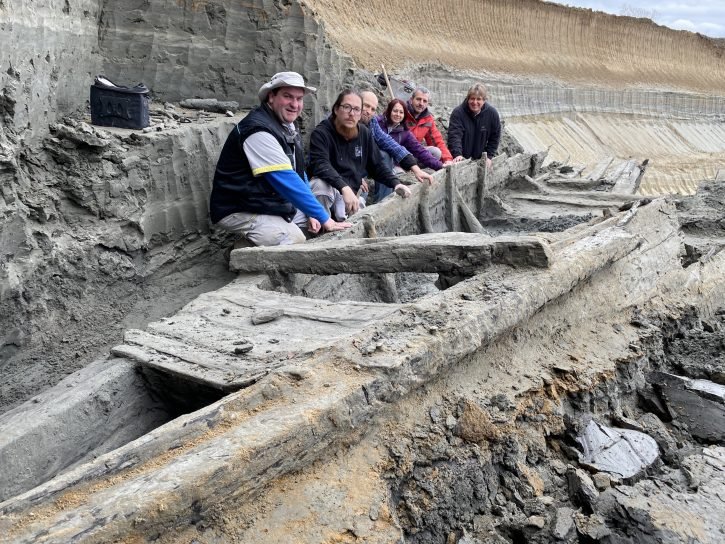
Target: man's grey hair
421	90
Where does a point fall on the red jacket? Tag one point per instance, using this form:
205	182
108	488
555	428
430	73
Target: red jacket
425	131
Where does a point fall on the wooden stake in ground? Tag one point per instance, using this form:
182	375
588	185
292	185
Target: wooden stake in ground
387	81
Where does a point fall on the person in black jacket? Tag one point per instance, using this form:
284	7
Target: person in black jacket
260	186
474	127
342	153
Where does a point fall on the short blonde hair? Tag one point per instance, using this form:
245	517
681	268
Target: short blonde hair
478	89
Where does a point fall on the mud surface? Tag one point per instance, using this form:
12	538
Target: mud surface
92	315
486	469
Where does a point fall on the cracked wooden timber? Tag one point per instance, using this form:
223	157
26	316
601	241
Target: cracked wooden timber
438	252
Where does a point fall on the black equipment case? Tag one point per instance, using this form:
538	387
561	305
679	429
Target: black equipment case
117	106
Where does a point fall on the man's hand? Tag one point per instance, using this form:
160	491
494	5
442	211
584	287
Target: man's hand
402	190
364	186
331	225
459	158
489	163
421	176
352	204
313	225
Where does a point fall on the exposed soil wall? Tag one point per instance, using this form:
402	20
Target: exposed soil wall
101	229
528	37
180	50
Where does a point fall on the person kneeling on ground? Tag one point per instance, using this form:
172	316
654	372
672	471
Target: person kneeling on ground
391	122
260	186
422	125
342	153
474	127
394	154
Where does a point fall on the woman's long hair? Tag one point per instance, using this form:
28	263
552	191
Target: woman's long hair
389	109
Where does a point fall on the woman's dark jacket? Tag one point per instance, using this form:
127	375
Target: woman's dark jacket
341	162
469	136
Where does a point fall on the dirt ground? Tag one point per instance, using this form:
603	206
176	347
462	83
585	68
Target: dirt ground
99	312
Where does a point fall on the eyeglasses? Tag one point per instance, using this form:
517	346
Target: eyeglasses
347	108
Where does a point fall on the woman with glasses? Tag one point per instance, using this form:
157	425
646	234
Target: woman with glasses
342	153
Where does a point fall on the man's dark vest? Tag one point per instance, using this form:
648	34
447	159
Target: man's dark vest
236	189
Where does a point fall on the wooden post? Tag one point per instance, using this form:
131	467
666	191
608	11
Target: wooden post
387	82
472	222
426	225
482	183
388	288
454	224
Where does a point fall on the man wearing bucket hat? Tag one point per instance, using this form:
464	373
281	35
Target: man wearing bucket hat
260	186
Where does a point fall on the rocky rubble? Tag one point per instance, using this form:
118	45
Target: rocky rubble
503	469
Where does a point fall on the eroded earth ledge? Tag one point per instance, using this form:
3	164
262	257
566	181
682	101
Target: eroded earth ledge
531	353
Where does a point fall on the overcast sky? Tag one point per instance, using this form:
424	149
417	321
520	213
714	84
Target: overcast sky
703	16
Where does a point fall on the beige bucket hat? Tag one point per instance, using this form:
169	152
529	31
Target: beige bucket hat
284	79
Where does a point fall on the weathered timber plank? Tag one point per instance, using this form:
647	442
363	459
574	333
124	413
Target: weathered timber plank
577	184
352	312
206	342
469	218
585	199
442	252
625	177
214	368
203	357
599	169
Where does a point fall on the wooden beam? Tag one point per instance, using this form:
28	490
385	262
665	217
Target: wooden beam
454	223
388	288
469	218
426	224
439	252
482	185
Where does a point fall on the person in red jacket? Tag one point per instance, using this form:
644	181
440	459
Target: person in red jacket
422	125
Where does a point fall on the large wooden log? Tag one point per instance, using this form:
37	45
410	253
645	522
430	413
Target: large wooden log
438	252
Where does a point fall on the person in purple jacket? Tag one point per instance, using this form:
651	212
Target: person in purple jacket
392	123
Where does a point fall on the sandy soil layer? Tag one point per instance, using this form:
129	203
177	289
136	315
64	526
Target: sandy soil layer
527	37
